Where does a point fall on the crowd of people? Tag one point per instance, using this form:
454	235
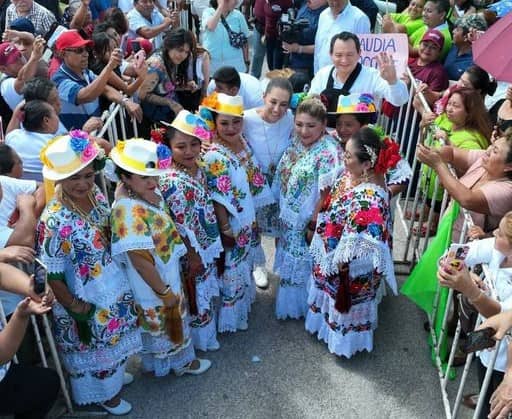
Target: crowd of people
168	256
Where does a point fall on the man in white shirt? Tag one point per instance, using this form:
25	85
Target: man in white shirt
340	16
229	81
146	21
345	50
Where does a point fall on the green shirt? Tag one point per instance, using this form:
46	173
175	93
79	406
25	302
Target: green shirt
404	19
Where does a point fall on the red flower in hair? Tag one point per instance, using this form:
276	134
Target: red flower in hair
388	157
157	135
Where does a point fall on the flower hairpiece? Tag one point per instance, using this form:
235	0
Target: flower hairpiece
371	153
157	135
389	154
164	156
211	101
207	117
297	99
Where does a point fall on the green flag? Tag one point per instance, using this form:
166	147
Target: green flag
422	284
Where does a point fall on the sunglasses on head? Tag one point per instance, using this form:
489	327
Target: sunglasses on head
80	50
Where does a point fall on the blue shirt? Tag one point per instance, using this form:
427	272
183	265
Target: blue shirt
456	64
69	83
307	37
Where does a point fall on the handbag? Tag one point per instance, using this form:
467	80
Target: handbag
236	39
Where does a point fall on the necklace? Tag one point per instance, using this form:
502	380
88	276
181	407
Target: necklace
198	177
103	229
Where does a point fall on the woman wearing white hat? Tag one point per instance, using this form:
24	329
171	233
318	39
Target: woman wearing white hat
146	242
94	318
238	187
186	195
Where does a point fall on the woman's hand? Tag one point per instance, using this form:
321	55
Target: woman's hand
458	279
428	156
142	70
501	323
170	299
501	399
28	306
476	233
442	135
427	118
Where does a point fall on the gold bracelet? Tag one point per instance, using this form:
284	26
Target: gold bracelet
473	300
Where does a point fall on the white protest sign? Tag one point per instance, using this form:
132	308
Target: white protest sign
395	44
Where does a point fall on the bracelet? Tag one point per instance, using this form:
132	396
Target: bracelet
228	233
300	49
167	290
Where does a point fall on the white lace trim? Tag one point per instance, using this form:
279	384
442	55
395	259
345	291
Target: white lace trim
327	180
294	220
161	356
400	174
88	389
296	270
206	290
291	301
96	360
264	198
105	289
209	254
205	336
352	247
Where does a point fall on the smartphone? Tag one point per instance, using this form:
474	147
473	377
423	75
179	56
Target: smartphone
136	46
40	271
456	255
139	58
479	340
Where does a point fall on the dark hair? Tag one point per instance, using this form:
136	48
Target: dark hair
362	118
170	133
116	19
345	36
6	159
369	138
38	88
175	39
228	75
279	83
477	116
480	80
441	6
300	82
214	4
100	48
35	111
119	171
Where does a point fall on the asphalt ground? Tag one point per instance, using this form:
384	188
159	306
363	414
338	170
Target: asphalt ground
295	376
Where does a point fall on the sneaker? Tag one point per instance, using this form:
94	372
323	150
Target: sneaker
127	379
260	277
123	408
204	365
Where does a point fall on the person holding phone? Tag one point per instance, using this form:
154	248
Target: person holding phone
94	319
497	253
25	391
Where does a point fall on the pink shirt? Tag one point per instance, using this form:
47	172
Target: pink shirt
498	194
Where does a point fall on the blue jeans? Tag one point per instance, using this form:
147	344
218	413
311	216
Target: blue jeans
258	53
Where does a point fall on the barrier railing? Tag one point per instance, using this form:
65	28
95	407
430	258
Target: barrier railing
404	128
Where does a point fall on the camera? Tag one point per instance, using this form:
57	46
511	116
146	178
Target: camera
289	28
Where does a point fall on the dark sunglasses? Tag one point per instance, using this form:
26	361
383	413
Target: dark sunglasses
77	50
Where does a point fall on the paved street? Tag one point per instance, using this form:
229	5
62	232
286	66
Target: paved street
298	378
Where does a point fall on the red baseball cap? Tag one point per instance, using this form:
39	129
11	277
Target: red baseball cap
433	35
9	54
71	39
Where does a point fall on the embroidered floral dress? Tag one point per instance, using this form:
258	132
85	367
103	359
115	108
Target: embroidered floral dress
237	183
192	209
352	255
93	349
137	225
302	174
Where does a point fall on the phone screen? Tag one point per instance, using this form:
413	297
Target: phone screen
39	277
136	46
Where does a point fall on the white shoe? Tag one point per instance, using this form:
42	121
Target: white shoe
123	408
204	365
260	277
213	346
127	379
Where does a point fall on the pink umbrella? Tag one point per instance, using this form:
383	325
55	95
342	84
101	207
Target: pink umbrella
492	51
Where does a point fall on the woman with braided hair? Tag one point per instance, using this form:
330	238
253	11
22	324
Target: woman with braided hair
351	248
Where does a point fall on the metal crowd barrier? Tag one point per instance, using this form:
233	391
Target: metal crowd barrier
403	129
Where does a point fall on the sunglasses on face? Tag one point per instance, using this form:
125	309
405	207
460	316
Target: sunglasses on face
77	50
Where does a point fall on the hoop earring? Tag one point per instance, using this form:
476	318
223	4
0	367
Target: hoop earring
364	177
